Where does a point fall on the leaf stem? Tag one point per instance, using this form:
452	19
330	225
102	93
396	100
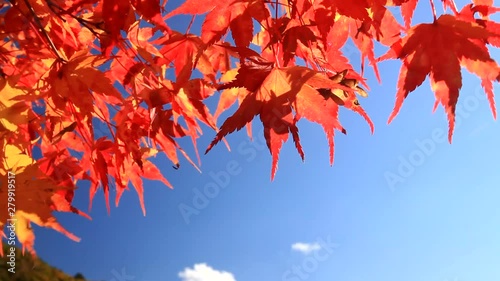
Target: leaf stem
190	24
277	45
433	9
83	22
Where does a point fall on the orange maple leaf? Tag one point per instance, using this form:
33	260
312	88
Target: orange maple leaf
236	15
36	189
274	94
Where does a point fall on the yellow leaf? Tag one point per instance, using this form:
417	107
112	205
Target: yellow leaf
15	159
12	112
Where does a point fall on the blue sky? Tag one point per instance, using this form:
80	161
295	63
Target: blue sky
402	204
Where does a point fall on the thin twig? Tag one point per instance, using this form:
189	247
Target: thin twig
44	33
83	22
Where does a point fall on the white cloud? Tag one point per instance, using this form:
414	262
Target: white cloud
203	272
306	248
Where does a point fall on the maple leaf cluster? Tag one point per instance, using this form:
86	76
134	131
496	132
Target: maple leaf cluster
91	90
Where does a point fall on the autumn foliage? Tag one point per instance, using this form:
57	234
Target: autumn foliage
91	90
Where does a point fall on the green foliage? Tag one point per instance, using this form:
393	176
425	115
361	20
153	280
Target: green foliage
29	268
79	276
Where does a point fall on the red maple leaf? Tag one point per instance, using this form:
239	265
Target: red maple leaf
224	15
438	50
